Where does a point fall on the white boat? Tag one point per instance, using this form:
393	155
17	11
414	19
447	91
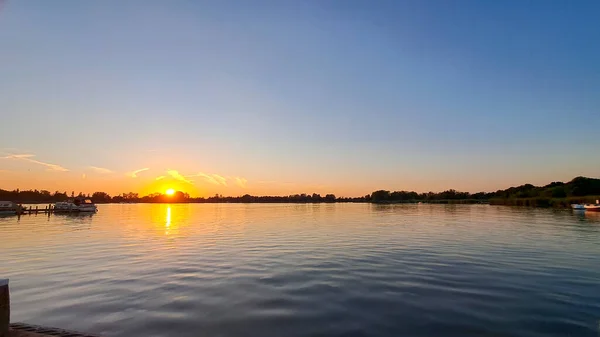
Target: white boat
593	207
587	207
11	208
76	205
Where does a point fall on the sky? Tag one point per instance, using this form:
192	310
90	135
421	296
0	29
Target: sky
282	97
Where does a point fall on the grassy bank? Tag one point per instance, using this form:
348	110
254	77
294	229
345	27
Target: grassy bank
544	202
443	201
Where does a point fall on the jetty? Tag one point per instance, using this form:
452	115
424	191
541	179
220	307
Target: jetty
23	329
49	209
37	209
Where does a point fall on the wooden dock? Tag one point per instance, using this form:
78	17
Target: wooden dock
49	209
37	209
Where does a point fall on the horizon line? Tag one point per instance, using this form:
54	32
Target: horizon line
295	194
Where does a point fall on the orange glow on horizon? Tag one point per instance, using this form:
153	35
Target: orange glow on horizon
161	186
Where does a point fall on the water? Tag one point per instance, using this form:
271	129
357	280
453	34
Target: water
306	270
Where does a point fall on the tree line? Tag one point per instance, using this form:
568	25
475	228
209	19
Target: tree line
555	194
579	189
44	196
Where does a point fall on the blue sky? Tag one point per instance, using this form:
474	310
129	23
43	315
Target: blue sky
301	96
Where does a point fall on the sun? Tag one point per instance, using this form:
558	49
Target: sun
170	191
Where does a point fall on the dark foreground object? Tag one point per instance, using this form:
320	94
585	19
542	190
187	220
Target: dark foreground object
4	307
23	329
29	330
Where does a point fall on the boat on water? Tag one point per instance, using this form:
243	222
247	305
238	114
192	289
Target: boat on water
11	208
593	207
587	207
76	205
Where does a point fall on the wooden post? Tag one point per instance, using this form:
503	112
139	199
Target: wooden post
36	210
4	308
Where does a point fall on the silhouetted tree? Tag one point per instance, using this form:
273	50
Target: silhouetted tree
380	196
101	197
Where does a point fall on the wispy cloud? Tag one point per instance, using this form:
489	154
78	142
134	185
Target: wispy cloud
28	158
18	156
100	170
160	178
212	178
175	174
135	173
220	179
241	182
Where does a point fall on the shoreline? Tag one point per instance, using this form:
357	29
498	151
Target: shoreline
556	194
544	202
540	202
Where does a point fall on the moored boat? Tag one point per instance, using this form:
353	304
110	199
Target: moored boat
11	208
587	207
76	205
593	207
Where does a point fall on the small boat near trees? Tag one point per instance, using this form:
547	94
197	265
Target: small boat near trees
587	207
593	208
78	204
11	208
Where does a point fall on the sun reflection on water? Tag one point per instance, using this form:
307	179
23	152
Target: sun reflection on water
168	220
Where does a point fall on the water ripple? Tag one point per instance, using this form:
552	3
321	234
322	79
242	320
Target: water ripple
307	270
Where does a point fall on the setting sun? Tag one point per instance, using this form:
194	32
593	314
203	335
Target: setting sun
170	191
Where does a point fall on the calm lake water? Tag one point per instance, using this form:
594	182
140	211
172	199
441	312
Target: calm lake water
306	270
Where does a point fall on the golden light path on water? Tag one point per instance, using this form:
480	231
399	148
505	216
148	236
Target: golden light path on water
175	269
168	220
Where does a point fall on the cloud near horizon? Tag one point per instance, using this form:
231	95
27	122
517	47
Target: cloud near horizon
214	179
175	174
100	170
134	174
27	158
241	182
